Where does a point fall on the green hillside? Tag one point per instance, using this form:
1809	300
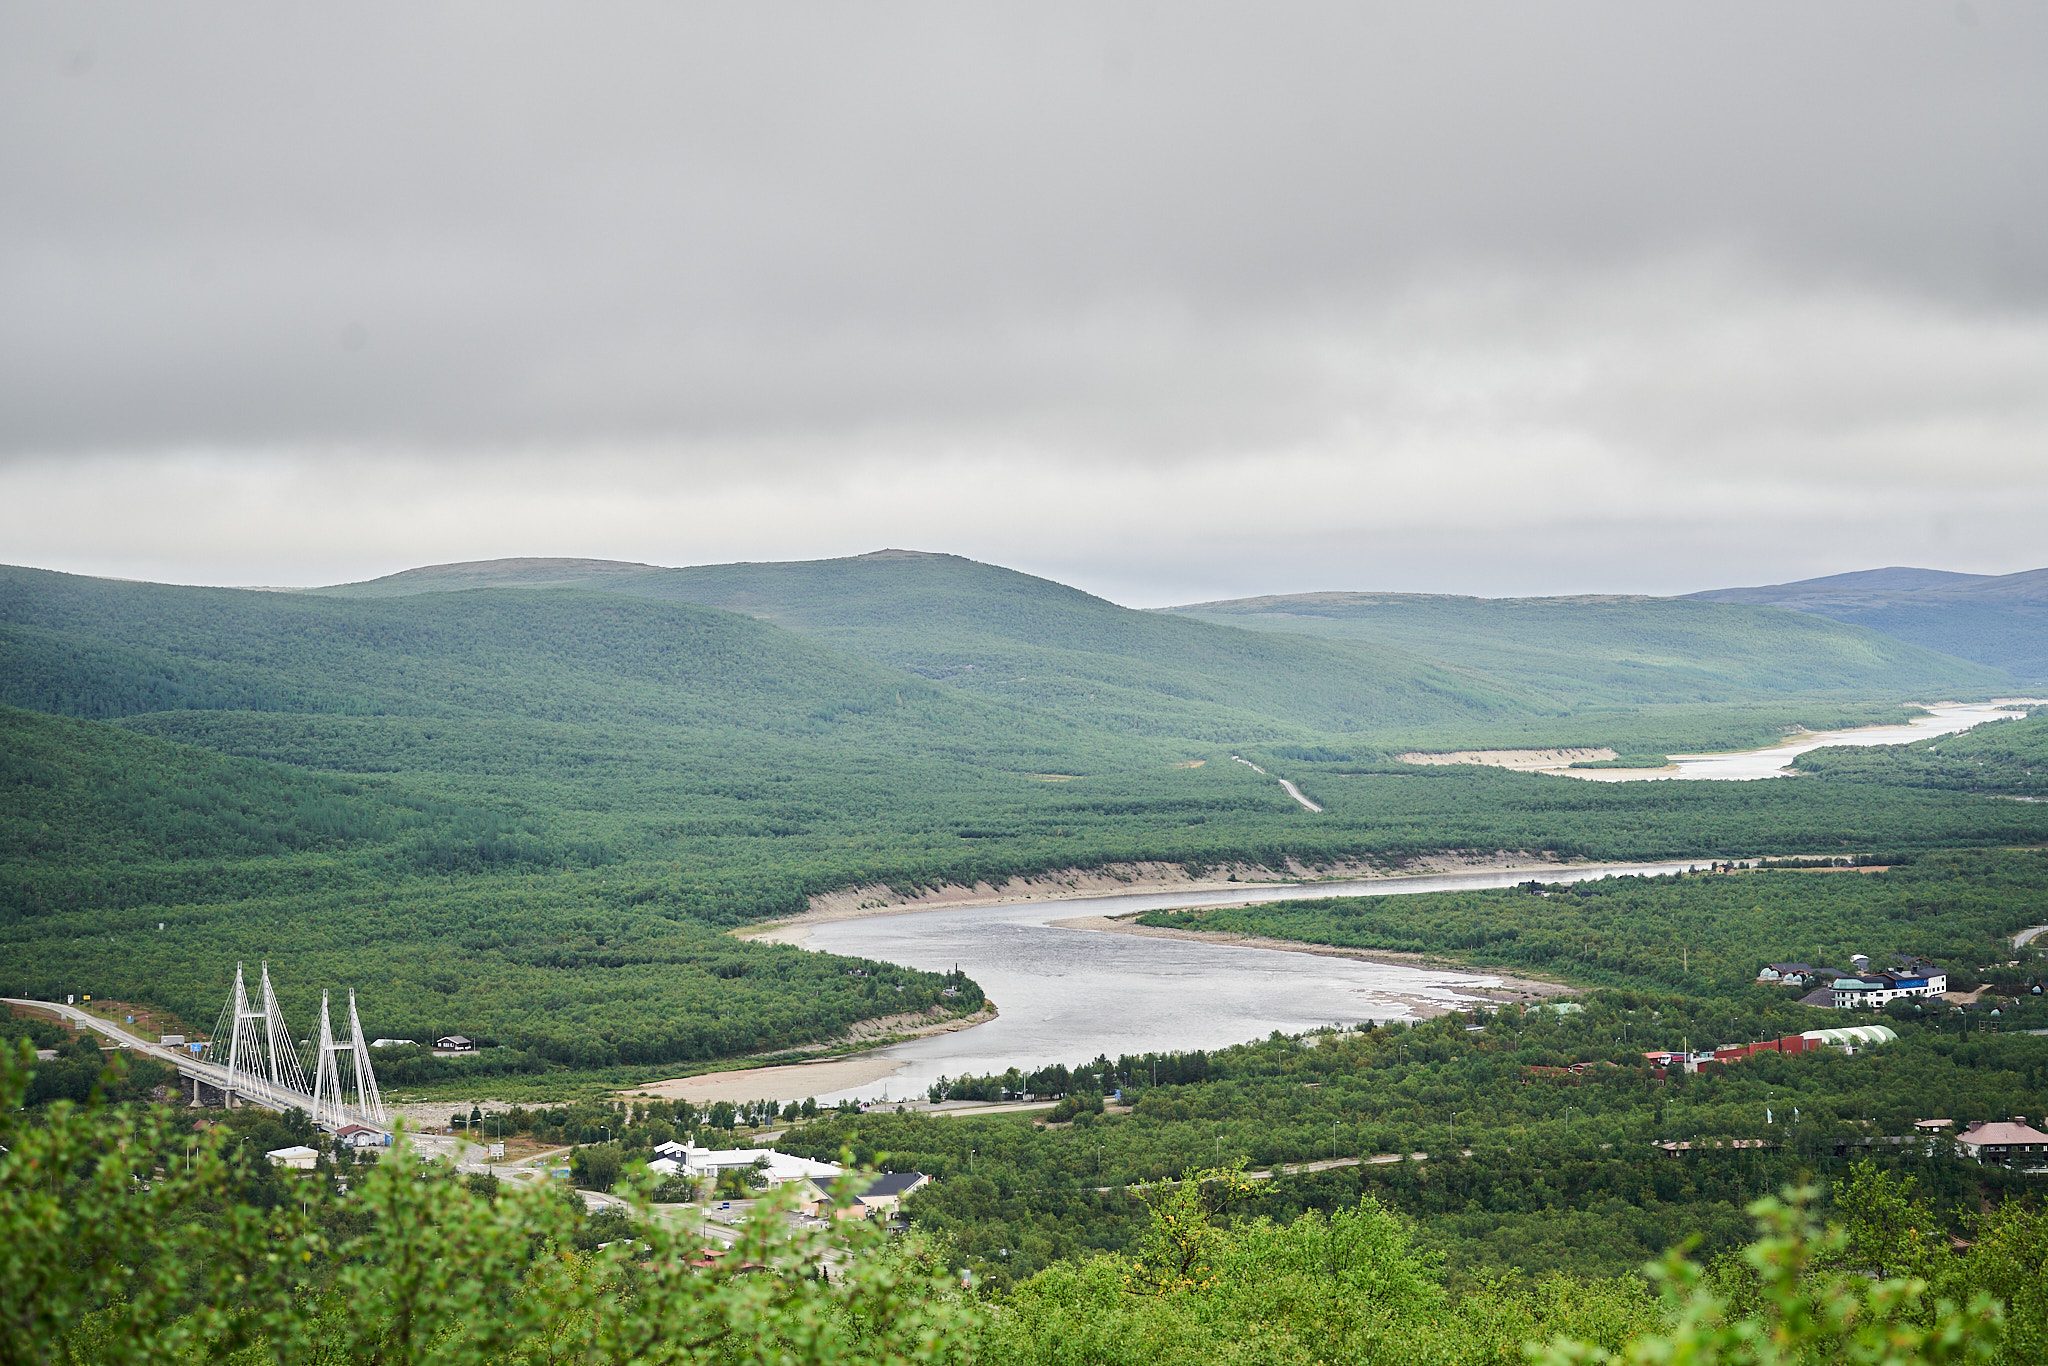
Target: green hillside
1999	620
527	814
1409	668
1632	651
141	870
1030	642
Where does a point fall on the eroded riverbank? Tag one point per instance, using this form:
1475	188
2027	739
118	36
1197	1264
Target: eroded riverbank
1074	884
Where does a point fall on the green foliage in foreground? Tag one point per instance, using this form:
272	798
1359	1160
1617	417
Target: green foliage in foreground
126	1238
1704	933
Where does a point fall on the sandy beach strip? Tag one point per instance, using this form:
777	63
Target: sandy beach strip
1519	760
1080	884
787	1082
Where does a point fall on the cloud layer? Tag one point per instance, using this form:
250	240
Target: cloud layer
1169	301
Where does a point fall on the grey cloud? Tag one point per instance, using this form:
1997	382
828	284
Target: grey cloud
1652	253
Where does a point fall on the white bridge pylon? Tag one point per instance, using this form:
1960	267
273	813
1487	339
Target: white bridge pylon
327	1086
254	1046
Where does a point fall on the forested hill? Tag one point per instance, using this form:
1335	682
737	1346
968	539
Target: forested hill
526	814
1602	651
1352	663
100	648
1995	619
1030	642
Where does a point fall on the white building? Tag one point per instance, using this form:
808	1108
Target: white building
1876	990
1852	1038
298	1157
362	1136
776	1167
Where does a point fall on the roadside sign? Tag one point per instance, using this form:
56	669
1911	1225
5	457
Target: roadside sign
497	1150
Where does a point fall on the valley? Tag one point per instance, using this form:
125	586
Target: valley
779	850
1024	685
586	774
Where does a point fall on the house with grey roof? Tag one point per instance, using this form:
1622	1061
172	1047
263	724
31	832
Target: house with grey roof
2007	1142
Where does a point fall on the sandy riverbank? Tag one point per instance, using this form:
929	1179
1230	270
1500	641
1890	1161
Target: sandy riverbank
1509	988
792	1081
1073	884
824	1076
1519	760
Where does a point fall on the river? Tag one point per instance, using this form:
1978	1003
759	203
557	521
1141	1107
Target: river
1068	993
1942	718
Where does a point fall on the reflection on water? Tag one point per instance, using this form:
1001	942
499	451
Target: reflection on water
1067	994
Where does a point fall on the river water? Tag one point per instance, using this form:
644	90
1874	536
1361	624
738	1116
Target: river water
1067	993
1942	718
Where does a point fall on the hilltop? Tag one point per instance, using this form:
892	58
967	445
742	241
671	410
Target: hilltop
1616	650
1995	619
1270	668
1028	641
523	572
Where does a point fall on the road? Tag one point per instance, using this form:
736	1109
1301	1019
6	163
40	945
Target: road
1327	1164
247	1087
107	1027
1286	785
2026	937
462	1154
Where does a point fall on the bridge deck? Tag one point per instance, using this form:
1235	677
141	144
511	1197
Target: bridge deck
250	1088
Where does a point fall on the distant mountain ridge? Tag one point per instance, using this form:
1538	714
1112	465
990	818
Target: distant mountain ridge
523	572
1995	619
1030	642
1320	661
1609	649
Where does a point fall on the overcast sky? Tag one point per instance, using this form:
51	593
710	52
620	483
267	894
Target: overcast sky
1168	301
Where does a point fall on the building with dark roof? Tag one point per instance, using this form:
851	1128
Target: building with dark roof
1876	990
879	1198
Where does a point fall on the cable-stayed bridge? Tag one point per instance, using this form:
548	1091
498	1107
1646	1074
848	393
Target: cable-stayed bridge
253	1060
257	1061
